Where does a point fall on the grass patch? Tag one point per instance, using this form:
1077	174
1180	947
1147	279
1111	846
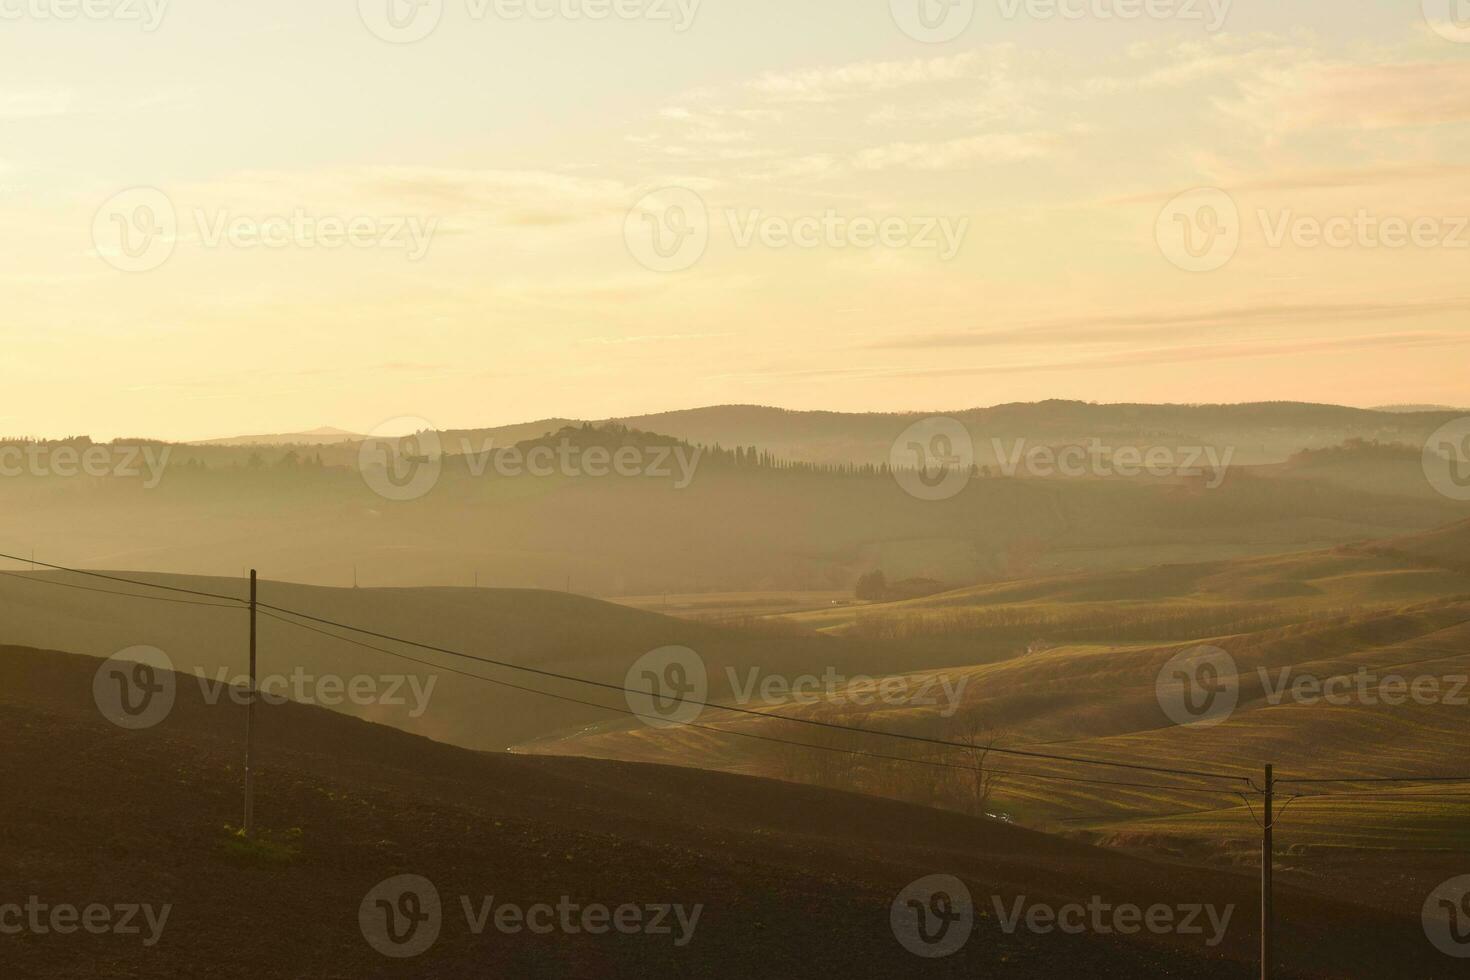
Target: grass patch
267	849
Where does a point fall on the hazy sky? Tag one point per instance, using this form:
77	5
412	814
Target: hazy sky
987	218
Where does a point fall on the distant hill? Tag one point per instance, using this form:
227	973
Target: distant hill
1266	432
325	436
738	524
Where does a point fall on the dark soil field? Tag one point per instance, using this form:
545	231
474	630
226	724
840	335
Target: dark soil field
792	880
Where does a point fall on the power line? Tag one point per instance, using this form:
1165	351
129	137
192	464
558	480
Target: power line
750	711
127	581
1391	797
239	603
1379	779
126	595
751	735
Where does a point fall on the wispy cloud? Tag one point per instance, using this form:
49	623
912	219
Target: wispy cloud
1143	325
863	78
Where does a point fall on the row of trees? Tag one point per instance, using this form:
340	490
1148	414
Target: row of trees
960	776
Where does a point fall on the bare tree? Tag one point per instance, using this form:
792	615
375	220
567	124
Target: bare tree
975	780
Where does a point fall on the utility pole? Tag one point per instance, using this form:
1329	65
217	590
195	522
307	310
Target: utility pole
1268	827
250	724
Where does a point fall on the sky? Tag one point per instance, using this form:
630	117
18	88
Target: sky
231	218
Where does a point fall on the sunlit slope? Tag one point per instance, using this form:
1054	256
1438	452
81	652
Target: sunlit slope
1247	592
1102	704
1101	700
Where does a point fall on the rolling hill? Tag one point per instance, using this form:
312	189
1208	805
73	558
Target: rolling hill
1074	665
733	528
466	703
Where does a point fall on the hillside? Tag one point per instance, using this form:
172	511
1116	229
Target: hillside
1075	663
791	880
726	528
1261	433
468	703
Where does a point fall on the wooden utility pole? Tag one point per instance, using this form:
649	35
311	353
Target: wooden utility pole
250	724
1268	917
